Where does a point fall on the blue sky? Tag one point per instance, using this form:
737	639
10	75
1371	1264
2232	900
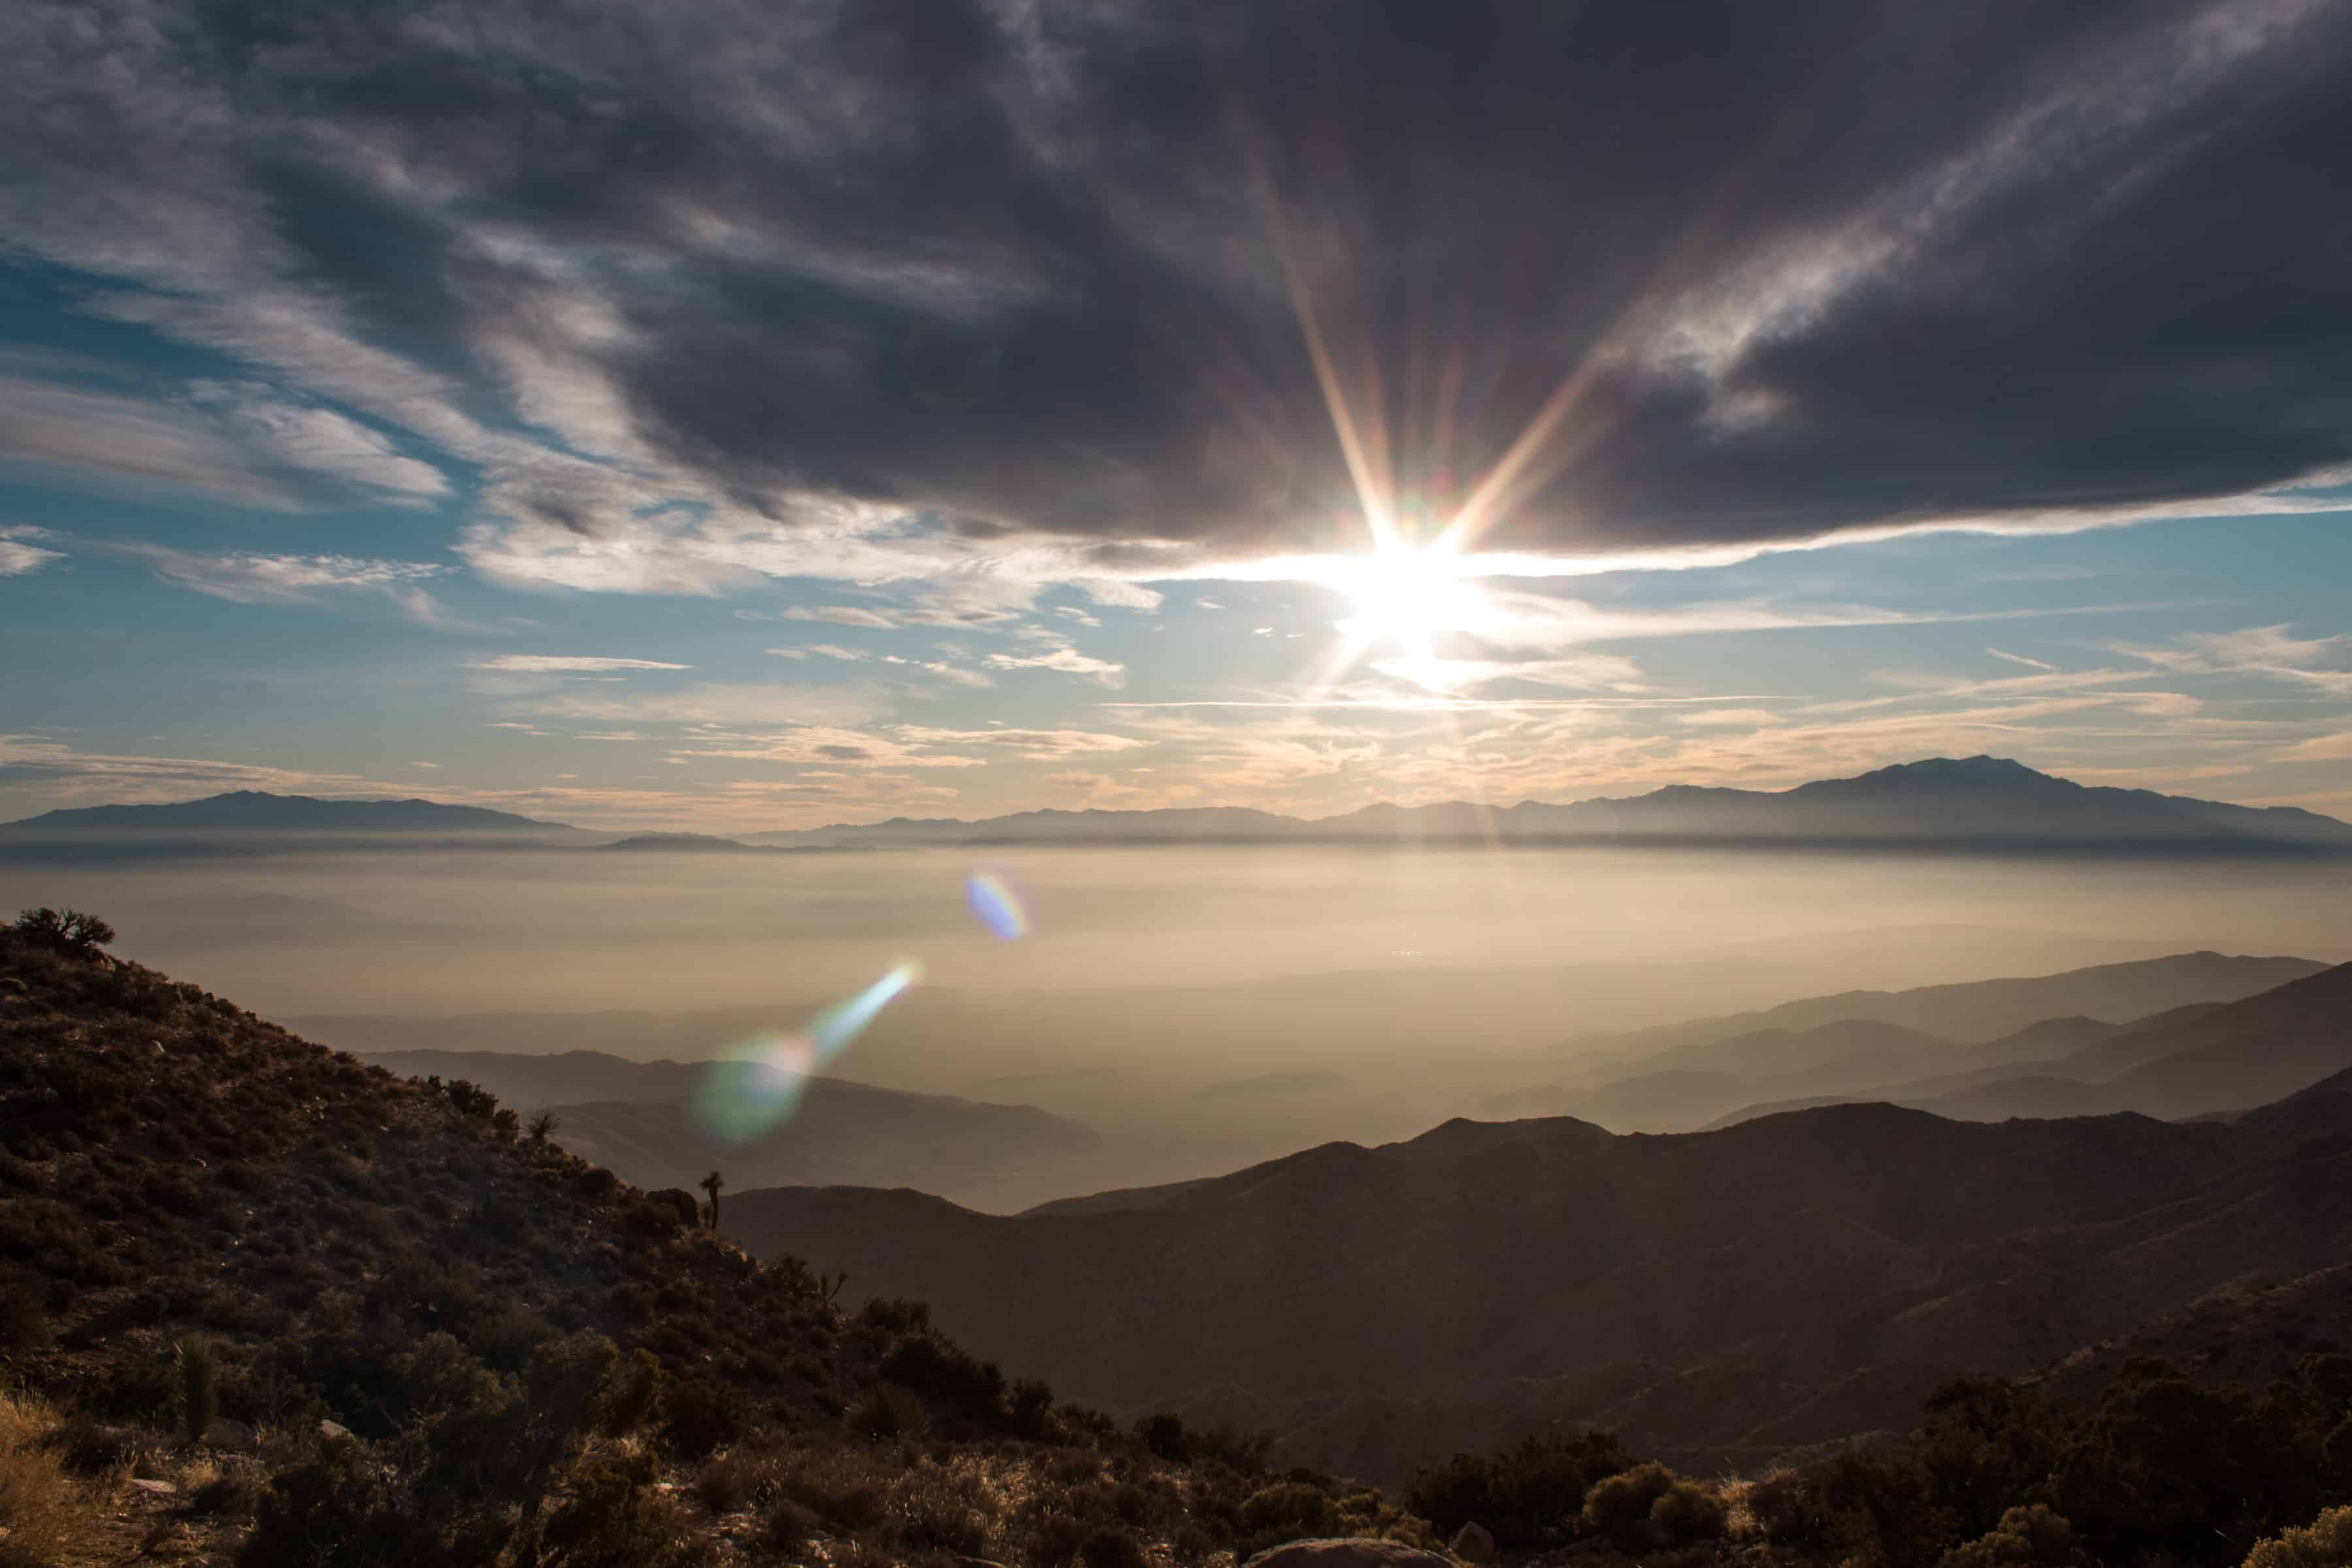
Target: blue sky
355	439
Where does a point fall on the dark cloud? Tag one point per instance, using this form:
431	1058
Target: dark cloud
1788	269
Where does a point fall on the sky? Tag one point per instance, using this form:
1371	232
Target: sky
739	416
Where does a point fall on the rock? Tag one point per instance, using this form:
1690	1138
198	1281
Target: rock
1474	1542
1347	1555
225	1432
680	1201
332	1429
154	1488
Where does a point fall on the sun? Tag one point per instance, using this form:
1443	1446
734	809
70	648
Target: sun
1403	600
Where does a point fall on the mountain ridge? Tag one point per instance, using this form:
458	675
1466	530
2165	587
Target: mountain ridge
1952	803
1935	799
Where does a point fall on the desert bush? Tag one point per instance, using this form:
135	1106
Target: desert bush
42	1514
842	1488
1687	1512
1165	1435
89	1447
611	1517
2324	1543
233	1494
337	1509
888	1410
700	1415
2026	1538
68	931
631	1395
1782	1508
1528	1496
1620	1505
2161	1466
472	1099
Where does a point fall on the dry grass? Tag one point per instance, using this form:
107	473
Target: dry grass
43	1514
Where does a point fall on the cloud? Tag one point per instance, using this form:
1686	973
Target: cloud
839	615
257	579
543	663
725	704
1008	295
1065	658
2019	659
2272	651
17	556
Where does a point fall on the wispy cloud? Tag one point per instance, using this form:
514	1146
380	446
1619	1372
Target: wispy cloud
550	664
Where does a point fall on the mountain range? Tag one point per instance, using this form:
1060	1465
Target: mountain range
1979	803
1722	1295
1982	801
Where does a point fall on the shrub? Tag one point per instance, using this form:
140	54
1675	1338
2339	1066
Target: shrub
1783	1509
888	1410
2026	1538
70	931
630	1397
1163	1436
2324	1543
1528	1496
1687	1512
42	1514
1621	1505
700	1416
611	1517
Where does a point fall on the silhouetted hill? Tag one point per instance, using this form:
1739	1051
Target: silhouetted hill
259	811
1780	1256
641	1121
682	844
2246	1054
2190	1061
1982	1010
1980	801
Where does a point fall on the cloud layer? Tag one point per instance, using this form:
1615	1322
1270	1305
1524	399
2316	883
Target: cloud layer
975	290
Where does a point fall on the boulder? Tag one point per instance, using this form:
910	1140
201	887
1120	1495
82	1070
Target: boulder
1347	1555
1474	1542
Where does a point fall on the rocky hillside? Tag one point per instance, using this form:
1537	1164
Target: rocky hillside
262	1303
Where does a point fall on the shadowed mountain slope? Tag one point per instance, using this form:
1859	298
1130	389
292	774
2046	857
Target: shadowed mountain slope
1482	1263
1977	1011
2192	1062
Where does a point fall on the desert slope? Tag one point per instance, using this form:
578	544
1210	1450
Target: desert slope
1787	1255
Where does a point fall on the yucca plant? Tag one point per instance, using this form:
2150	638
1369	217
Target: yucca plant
194	1359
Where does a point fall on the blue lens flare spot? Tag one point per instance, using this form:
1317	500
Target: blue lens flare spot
756	1085
999	905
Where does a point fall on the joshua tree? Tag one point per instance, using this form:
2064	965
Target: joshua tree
711	1183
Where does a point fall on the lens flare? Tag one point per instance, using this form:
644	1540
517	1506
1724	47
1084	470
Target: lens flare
998	904
757	1084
